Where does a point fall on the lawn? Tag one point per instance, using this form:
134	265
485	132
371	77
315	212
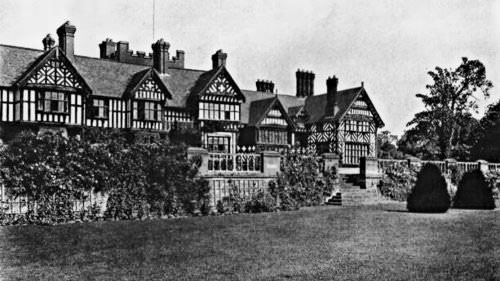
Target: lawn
378	242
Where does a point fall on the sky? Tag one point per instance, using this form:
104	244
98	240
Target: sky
390	45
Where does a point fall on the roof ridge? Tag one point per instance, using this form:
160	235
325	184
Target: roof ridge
190	69
19	47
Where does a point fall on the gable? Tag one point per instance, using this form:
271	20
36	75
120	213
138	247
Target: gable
147	84
149	89
269	112
363	106
221	87
54	70
274	117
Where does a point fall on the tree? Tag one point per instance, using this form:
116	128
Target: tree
488	134
386	149
430	194
451	99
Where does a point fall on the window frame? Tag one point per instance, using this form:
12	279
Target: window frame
149	111
46	102
95	110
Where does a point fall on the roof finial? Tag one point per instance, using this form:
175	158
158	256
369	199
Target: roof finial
362	84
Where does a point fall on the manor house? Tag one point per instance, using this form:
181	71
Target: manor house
55	89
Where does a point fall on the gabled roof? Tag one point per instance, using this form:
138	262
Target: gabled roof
286	101
260	108
316	105
294	110
104	77
181	83
43	59
208	78
347	99
142	76
107	78
14	62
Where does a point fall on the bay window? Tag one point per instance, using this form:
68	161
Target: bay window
53	102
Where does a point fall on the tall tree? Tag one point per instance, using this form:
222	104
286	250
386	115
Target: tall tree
488	135
450	100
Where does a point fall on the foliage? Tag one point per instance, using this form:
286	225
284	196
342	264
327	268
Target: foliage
233	203
488	134
455	173
142	180
261	201
446	128
185	135
430	194
397	181
474	192
493	179
300	181
385	148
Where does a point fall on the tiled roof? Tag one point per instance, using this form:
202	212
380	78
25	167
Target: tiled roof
286	100
14	62
316	105
112	79
105	77
258	108
182	82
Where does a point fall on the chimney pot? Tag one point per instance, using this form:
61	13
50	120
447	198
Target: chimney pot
48	42
219	59
331	96
107	48
305	83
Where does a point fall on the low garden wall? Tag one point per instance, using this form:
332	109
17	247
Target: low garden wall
395	178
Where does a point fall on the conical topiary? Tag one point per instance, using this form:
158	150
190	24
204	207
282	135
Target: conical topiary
430	194
474	192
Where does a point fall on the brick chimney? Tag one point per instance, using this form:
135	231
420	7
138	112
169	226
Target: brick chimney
160	55
122	51
265	86
48	42
179	58
305	83
107	48
219	59
331	96
66	34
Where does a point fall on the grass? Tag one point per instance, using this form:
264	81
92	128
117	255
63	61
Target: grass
380	242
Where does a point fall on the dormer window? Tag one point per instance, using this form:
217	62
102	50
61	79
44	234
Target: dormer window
53	102
99	108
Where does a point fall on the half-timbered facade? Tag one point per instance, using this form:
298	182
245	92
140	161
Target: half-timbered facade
55	88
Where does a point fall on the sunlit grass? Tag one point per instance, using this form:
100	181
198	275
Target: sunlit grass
381	242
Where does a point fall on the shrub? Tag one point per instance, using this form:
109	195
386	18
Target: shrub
261	202
284	200
430	194
142	180
397	181
301	182
474	192
233	203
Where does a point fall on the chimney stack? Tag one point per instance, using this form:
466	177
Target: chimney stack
48	42
179	58
160	55
265	86
66	34
305	83
331	96
219	59
107	48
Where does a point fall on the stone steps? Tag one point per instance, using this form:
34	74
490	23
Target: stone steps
352	195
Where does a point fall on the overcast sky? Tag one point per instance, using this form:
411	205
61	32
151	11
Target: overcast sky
388	44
